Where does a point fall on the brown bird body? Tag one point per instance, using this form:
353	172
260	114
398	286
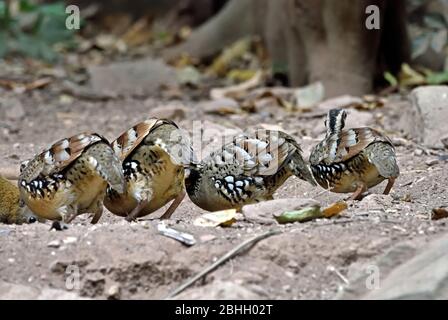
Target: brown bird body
247	170
11	210
353	160
153	155
70	178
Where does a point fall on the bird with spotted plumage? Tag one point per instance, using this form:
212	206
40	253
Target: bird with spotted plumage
247	170
353	160
11	208
70	178
153	155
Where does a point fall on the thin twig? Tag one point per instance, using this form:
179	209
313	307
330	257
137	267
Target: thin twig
339	274
229	255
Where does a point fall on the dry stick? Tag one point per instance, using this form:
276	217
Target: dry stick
224	258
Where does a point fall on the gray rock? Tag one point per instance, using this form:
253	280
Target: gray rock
189	76
407	271
359	273
425	119
142	77
425	276
113	292
264	212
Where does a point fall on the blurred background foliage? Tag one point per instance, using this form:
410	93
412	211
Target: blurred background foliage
428	23
35	30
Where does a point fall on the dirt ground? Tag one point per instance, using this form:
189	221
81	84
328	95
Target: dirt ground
124	260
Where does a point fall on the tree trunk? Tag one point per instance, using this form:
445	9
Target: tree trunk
314	40
232	23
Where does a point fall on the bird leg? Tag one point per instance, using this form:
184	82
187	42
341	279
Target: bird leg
389	186
97	212
96	207
134	213
173	206
357	195
68	213
59	226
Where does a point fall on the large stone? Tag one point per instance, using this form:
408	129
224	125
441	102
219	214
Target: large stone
425	119
407	271
142	77
358	274
264	212
425	276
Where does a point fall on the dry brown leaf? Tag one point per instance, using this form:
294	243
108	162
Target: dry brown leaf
183	61
116	23
334	209
240	75
224	218
139	33
222	111
439	213
239	90
370	102
39	83
220	65
15	85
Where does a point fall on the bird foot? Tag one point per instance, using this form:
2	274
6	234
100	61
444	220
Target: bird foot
59	226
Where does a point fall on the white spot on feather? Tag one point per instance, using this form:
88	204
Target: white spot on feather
84	140
48	157
63	156
93	162
64	144
265	158
229	179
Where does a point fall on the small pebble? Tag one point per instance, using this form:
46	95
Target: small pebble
418	152
69	240
432	162
54	244
113	292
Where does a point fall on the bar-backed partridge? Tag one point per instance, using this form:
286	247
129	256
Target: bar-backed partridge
153	155
353	160
247	170
70	178
11	208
